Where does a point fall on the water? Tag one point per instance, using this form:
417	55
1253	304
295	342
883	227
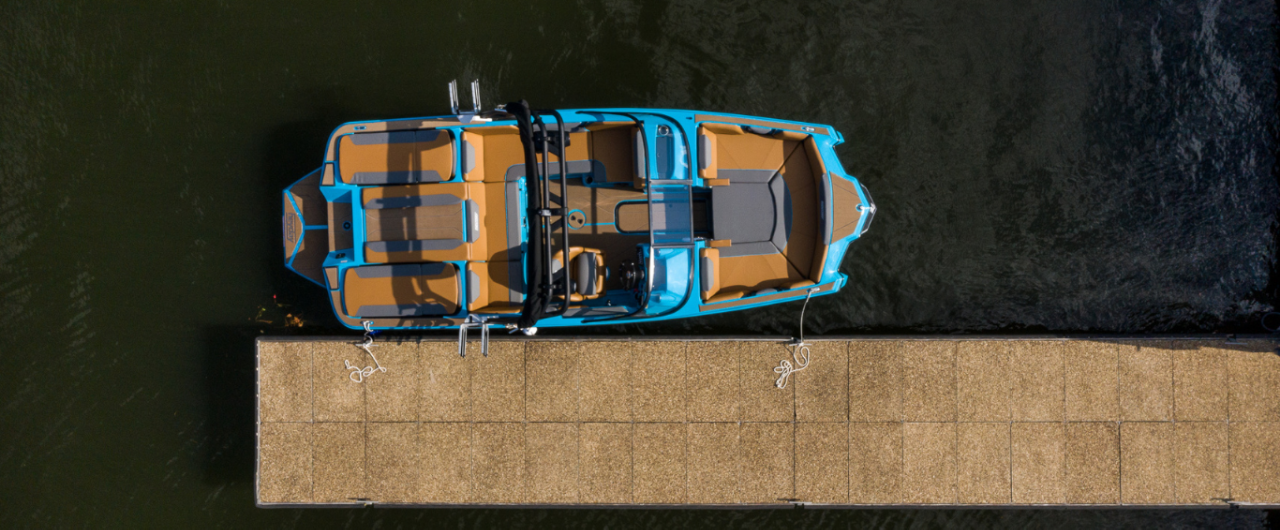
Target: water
1076	166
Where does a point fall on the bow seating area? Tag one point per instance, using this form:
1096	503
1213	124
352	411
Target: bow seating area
767	220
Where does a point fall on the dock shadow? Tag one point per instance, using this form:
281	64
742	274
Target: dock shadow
229	368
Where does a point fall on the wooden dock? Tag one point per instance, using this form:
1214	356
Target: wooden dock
699	422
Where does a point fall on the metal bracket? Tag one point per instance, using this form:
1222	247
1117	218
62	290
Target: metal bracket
469	116
475	96
453	96
473	321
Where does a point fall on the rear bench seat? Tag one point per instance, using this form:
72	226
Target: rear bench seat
396	157
408	290
419	222
751	171
476	221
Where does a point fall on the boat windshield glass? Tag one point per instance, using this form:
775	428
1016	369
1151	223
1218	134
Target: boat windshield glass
669	266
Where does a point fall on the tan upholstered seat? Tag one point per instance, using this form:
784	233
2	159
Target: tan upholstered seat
420	222
500	220
470	221
407	290
396	157
487	152
495	287
613	144
586	272
734	277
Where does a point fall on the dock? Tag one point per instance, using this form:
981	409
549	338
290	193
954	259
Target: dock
699	422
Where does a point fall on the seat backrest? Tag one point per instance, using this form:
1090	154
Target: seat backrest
640	157
586	272
709	272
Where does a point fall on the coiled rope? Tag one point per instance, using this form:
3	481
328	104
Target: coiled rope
799	350
358	374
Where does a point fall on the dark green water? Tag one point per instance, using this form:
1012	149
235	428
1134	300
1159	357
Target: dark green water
1072	166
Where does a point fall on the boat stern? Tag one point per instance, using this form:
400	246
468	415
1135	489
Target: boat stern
306	228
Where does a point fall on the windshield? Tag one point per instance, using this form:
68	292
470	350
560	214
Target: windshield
671	223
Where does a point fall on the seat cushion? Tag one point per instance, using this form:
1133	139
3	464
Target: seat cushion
743	213
499	220
421	222
709	272
587	275
725	278
587	268
495	287
408	290
756	272
396	157
724	147
803	210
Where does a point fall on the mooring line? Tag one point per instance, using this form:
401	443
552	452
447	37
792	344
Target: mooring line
358	374
799	350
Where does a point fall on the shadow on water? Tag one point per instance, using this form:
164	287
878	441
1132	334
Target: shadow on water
229	375
289	152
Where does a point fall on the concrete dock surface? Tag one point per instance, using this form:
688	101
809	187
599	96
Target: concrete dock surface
891	422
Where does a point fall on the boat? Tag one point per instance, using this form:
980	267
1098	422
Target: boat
520	218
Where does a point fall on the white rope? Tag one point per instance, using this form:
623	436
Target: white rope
799	350
358	374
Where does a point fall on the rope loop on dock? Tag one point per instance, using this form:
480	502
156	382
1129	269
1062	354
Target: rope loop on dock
799	350
800	353
358	374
